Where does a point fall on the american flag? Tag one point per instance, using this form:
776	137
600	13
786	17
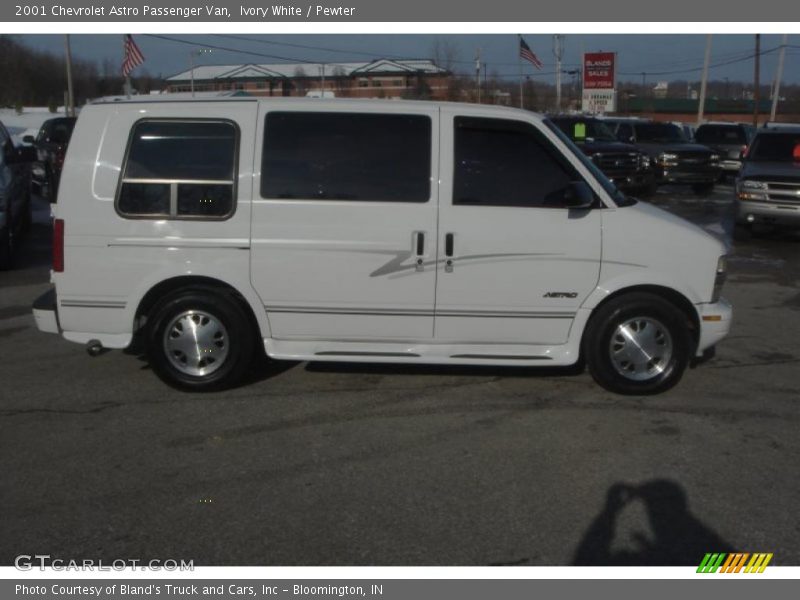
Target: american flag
133	56
526	53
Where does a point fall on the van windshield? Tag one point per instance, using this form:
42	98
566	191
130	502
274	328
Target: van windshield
619	198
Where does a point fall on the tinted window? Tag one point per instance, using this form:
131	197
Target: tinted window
775	147
585	130
346	156
720	134
500	162
180	169
659	133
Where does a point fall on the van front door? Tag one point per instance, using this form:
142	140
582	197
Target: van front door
344	228
516	263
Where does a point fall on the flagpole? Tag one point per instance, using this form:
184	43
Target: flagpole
127	84
519	60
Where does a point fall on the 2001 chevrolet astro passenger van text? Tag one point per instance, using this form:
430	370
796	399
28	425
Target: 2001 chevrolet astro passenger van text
343	230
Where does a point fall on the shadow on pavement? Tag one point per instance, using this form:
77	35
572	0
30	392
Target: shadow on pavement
678	538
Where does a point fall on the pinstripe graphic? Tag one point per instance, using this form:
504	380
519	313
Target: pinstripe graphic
420	312
91	304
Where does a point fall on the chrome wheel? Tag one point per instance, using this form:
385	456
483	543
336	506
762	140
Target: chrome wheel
640	348
196	343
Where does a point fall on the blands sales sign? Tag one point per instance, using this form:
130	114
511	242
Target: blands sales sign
598	70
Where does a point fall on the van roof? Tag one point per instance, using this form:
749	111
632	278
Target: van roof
371	103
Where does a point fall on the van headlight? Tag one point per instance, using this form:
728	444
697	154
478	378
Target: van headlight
752	190
719	278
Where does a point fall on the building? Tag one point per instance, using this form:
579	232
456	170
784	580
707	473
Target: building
381	78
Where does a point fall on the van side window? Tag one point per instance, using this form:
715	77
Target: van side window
346	156
180	170
500	162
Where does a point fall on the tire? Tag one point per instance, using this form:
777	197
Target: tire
703	189
6	249
649	321
200	339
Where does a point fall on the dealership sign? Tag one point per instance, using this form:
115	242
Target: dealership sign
599	82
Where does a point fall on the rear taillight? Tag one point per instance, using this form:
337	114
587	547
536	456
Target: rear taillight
58	246
744	151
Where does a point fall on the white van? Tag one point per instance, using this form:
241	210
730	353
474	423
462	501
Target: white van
340	230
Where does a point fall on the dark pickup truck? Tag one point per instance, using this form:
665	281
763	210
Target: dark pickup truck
51	146
15	195
628	167
676	159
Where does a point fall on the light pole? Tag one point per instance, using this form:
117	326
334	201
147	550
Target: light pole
192	54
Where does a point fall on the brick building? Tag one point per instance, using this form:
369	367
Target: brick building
381	78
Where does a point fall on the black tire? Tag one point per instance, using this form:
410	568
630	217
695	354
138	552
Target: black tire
6	249
223	308
703	189
597	342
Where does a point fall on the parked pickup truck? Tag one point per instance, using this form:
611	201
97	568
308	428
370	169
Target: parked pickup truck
51	147
628	167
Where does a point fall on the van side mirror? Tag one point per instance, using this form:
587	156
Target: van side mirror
578	195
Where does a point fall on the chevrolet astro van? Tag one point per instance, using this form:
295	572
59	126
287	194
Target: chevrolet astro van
376	231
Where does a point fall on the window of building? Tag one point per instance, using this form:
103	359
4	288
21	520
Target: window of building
500	162
180	170
346	156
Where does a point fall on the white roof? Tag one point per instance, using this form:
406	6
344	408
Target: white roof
250	71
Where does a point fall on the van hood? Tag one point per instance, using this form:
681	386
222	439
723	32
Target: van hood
677	227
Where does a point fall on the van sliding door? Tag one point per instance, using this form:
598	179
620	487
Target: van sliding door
344	222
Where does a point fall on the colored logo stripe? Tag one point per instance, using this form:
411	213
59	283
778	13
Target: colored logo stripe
734	562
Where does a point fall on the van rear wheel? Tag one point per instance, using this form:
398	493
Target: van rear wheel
637	343
200	339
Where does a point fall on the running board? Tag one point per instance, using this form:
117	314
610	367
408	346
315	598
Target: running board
422	353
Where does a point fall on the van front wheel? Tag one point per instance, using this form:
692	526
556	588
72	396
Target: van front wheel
637	344
199	340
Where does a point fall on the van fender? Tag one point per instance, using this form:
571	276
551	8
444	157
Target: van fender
241	285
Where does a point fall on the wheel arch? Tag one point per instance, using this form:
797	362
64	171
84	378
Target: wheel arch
671	295
168	286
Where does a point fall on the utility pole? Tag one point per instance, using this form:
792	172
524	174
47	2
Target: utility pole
322	83
756	80
486	83
70	104
776	90
701	105
478	74
558	52
192	54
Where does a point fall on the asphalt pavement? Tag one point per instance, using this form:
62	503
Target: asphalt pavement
340	464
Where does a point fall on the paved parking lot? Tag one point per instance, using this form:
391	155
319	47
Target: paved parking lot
351	464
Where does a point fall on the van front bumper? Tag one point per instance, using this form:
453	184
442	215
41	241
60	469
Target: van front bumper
715	323
45	312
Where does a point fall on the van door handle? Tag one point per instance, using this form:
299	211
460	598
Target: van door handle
448	253
419	248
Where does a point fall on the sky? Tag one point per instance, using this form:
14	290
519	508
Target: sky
662	57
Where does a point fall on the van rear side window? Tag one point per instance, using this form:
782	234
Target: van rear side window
180	169
346	156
